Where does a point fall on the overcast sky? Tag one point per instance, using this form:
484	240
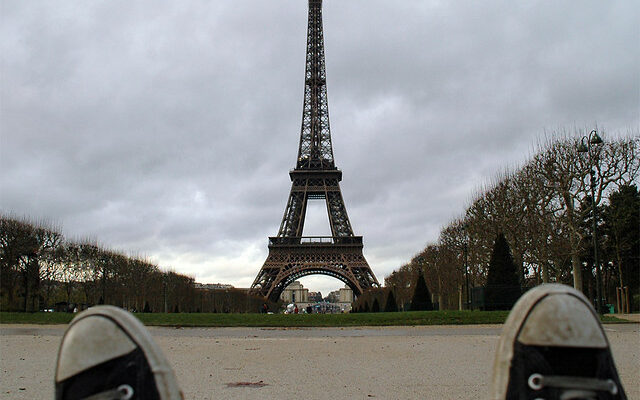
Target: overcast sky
167	129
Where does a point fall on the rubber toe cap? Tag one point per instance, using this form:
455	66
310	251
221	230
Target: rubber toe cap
562	320
89	342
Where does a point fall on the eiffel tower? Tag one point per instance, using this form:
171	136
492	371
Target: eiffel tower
291	255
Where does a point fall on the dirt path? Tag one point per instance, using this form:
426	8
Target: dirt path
351	363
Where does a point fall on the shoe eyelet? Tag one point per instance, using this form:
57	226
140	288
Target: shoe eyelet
535	381
613	388
126	392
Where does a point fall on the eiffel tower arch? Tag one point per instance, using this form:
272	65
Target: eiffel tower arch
315	177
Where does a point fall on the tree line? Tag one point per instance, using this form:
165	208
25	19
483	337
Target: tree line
40	269
544	210
384	299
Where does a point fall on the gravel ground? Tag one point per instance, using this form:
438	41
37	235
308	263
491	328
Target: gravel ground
326	363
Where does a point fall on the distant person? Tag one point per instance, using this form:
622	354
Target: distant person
552	347
295	309
265	309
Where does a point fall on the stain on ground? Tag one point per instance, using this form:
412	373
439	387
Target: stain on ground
247	384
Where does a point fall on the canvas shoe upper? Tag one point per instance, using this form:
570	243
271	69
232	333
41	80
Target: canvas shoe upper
107	354
553	347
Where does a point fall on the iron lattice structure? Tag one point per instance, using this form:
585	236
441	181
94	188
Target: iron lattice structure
291	255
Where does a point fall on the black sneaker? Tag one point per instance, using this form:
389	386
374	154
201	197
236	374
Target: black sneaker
553	347
107	354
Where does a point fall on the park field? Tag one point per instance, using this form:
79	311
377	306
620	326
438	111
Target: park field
408	318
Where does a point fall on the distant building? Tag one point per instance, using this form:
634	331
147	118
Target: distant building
342	297
212	286
345	295
315	297
337	301
333	297
295	293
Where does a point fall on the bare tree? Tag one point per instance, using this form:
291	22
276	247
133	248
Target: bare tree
541	208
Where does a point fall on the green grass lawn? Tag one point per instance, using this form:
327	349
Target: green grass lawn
292	320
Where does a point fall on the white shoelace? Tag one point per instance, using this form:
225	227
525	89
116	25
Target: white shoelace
575	387
123	392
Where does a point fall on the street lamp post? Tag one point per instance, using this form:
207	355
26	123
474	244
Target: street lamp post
585	147
466	271
465	251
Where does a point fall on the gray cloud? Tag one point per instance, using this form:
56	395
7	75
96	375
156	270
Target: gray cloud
169	129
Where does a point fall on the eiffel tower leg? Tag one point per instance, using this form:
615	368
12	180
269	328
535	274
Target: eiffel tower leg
340	225
263	282
293	220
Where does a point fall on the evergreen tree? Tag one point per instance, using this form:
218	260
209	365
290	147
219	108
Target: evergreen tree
503	284
421	300
376	306
622	236
391	305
